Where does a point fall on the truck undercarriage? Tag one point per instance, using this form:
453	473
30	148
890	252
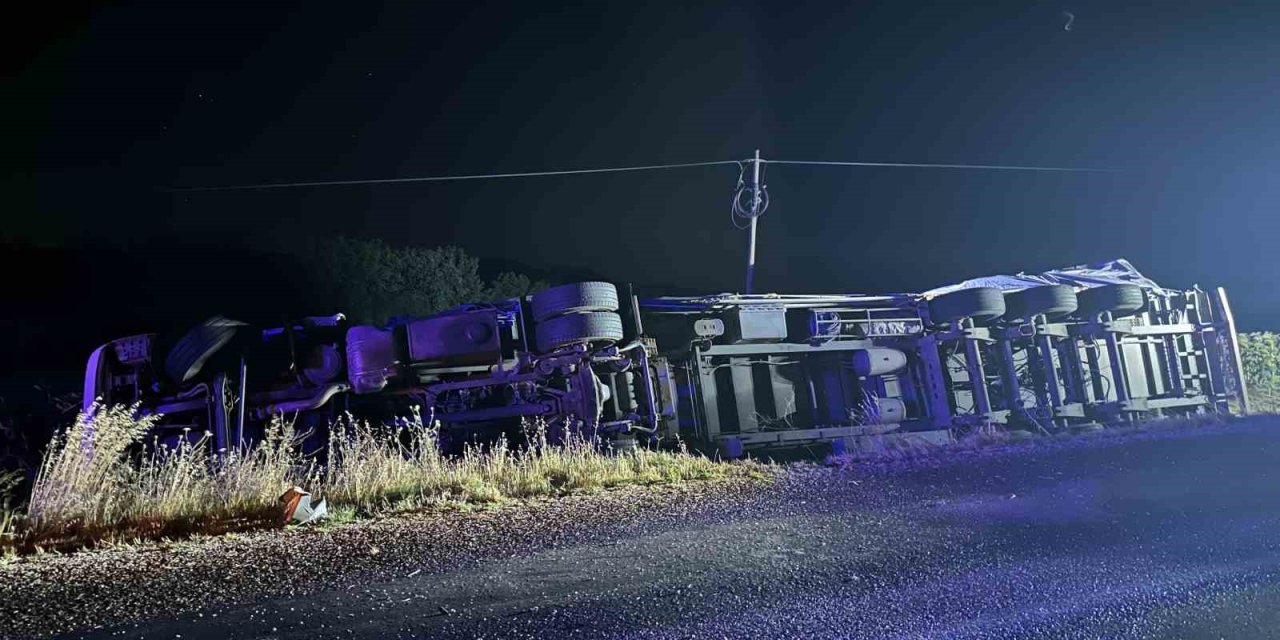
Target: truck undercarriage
1065	350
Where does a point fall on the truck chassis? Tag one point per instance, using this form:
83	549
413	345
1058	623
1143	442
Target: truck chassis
731	373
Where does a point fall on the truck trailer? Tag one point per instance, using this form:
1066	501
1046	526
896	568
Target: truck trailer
1079	348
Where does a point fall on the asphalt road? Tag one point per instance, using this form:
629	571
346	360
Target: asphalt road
1175	535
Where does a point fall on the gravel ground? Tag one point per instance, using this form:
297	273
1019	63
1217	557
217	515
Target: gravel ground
1155	535
51	594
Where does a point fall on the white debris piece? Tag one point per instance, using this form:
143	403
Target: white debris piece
298	508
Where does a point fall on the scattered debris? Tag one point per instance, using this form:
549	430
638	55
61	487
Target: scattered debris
442	611
298	508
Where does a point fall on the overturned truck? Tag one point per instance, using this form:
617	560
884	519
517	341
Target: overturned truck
1075	348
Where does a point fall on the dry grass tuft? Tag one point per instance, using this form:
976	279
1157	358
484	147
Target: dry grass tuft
372	470
97	484
8	516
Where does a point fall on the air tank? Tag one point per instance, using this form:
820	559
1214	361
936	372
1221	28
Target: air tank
878	361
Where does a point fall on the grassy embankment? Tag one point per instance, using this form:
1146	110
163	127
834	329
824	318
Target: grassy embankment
95	487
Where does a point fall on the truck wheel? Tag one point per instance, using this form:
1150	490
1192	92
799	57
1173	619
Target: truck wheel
198	345
578	328
1120	299
982	304
574	298
1053	301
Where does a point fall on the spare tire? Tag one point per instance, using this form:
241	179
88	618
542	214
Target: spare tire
982	304
579	328
1120	299
578	297
191	351
1053	301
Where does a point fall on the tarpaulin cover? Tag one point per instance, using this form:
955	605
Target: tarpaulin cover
1117	271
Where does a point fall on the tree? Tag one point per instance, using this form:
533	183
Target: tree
512	285
1260	358
370	280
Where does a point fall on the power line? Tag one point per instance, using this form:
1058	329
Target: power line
484	176
654	167
749	182
910	165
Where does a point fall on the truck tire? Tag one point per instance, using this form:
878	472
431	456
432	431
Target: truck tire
574	298
1053	301
1121	300
579	328
191	351
982	304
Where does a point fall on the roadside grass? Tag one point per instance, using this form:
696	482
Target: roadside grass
96	485
8	515
373	472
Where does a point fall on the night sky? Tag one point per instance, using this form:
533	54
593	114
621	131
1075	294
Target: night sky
105	108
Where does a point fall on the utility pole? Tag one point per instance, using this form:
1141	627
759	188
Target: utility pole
753	185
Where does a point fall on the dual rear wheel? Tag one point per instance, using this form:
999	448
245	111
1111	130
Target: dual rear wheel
984	305
578	313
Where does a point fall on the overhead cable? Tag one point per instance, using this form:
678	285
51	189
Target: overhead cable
483	176
655	167
913	165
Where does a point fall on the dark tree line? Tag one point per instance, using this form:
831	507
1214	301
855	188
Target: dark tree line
369	280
